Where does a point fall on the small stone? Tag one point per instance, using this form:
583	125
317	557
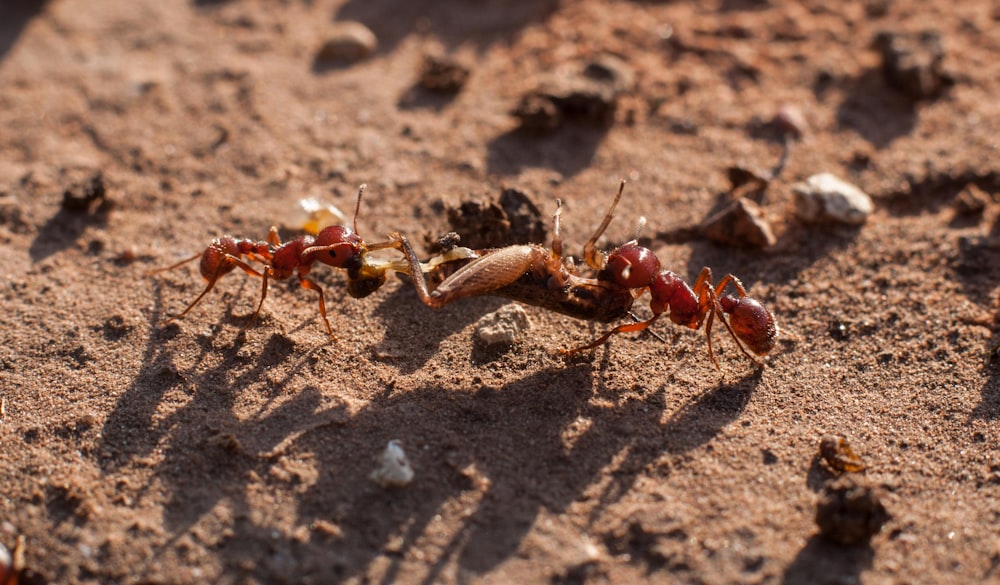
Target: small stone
913	63
394	469
589	94
850	512
86	194
824	198
503	326
538	113
740	224
349	42
443	74
790	121
971	201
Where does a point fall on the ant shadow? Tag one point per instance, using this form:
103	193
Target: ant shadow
875	110
799	247
567	150
503	453
16	15
407	319
510	440
975	269
416	97
821	561
62	231
452	22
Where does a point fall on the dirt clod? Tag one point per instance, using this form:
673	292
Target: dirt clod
443	74
527	225
588	93
740	224
512	219
86	195
971	201
479	224
913	63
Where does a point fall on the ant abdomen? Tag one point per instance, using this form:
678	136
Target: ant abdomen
632	266
751	322
214	264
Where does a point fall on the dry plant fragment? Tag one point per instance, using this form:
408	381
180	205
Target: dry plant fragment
839	456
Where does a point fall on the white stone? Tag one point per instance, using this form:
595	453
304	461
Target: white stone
394	469
503	326
824	198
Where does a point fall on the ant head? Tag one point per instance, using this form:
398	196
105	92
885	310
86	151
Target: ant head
751	322
336	246
632	266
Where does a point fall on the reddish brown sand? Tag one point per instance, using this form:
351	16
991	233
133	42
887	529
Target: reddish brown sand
134	452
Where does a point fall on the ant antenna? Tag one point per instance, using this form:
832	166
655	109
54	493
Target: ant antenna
556	239
357	208
594	258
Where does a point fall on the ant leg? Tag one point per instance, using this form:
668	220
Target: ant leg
708	299
557	247
594	258
639	326
228	262
311	285
263	295
708	304
480	277
635	319
174	266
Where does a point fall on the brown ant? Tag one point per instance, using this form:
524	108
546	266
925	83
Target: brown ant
540	276
337	246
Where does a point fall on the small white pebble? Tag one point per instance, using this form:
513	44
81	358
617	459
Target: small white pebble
503	326
5	564
790	120
824	198
394	469
348	42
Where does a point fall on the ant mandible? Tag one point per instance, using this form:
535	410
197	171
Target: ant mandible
337	246
539	276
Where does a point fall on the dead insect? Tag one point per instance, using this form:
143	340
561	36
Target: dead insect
540	276
837	454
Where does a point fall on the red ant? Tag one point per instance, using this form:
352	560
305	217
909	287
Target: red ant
539	276
337	246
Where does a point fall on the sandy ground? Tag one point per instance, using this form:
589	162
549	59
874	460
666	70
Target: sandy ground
134	451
